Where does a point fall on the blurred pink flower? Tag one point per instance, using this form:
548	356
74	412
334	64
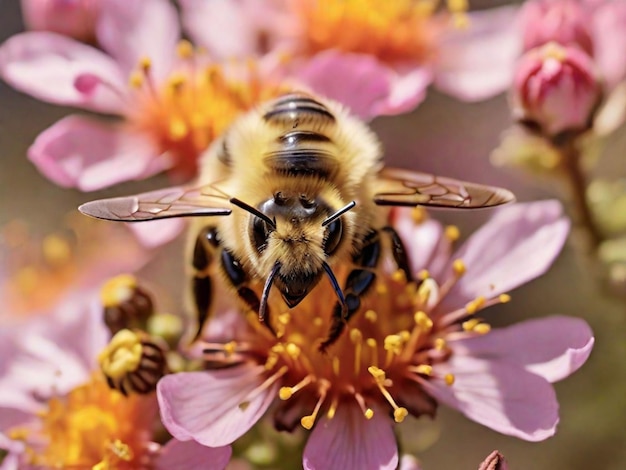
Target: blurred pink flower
37	274
376	64
556	88
56	410
173	100
407	349
563	21
598	27
73	18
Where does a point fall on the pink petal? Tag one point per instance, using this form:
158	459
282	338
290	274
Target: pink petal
552	347
189	455
494	393
408	89
158	232
88	154
56	69
359	81
226	28
132	30
349	441
519	243
426	245
11	461
214	407
408	462
477	63
609	33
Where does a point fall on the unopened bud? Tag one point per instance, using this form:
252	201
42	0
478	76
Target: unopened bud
562	21
556	89
126	304
133	362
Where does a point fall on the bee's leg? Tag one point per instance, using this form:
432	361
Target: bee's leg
202	286
239	279
399	252
358	283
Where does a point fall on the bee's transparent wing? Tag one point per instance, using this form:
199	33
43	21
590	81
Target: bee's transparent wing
396	187
178	201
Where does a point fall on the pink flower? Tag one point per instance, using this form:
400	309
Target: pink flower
172	99
556	89
410	347
563	21
37	274
56	410
596	27
376	63
73	18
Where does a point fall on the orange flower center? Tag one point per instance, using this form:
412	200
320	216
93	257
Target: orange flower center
92	427
195	104
390	30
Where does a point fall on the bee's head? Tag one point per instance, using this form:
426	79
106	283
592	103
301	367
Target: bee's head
294	236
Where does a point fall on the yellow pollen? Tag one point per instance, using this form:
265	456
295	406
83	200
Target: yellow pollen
122	355
271	361
145	63
333	407
373	345
284	318
475	305
459	267
178	129
371	315
381	288
399	414
184	49
393	343
369	414
56	250
423	321
452	233
423	275
419	215
336	366
504	298
18	434
278	348
286	392
449	379
405	335
399	276
118	290
482	328
457	6
440	344
176	82
425	369
293	350
136	79
230	348
318	321
470	324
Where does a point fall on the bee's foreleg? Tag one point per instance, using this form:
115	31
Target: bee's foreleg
202	285
357	285
399	252
239	279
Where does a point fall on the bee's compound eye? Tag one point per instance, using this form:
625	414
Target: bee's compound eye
260	233
333	236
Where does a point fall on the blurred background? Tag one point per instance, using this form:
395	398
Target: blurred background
445	137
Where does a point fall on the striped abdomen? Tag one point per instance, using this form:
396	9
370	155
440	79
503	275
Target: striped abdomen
302	147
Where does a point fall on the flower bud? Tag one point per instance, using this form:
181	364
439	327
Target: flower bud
126	304
563	21
73	18
556	89
133	362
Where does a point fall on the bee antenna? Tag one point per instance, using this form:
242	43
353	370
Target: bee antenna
338	214
266	292
252	210
333	281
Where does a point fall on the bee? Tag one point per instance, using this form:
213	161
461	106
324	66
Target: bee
293	188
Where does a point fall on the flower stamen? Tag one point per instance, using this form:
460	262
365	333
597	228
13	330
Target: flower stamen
307	422
380	378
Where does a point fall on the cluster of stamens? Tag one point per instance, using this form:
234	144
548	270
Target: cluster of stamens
196	103
397	337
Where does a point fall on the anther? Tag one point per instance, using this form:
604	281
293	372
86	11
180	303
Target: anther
419	215
184	49
459	267
56	250
373	345
293	350
177	129
440	344
470	324
357	339
126	305
452	233
371	316
285	393
423	321
475	305
336	366
423	275
399	276
308	421
424	369
504	298
145	64
482	328
380	379
369	414
449	379
393	345
284	318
